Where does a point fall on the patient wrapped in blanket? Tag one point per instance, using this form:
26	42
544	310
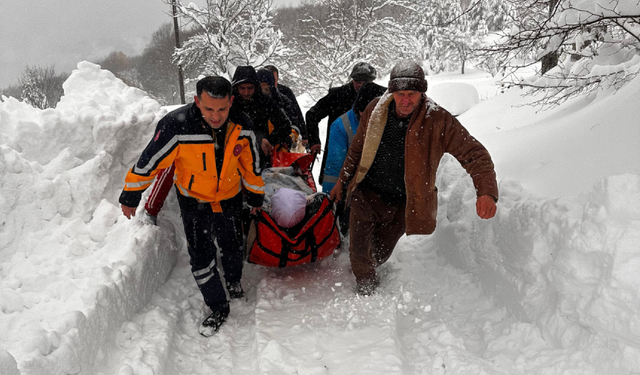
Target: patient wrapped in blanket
288	199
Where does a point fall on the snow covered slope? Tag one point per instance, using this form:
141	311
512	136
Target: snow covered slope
549	286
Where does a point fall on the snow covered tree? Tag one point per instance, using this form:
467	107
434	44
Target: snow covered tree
597	41
450	31
227	34
340	33
41	86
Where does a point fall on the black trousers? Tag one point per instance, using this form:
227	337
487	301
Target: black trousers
207	232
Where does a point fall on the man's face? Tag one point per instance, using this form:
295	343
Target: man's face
215	111
275	76
265	88
358	84
246	90
406	102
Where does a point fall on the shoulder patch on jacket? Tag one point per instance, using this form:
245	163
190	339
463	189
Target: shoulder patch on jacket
237	150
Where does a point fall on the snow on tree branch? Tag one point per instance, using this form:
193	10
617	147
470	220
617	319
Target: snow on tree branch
227	34
597	42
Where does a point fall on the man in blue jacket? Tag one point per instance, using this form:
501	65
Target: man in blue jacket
340	135
337	101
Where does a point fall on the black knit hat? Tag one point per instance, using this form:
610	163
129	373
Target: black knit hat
407	75
363	72
366	94
265	75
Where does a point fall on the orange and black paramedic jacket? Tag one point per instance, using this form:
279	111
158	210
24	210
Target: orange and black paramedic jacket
182	137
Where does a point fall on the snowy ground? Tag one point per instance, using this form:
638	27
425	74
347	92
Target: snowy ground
549	286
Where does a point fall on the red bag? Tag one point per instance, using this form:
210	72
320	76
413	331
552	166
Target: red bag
269	245
300	161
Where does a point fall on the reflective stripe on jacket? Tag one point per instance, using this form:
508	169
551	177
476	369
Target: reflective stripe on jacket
182	137
341	133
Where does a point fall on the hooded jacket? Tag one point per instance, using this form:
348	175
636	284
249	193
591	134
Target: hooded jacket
432	131
286	91
182	137
269	121
283	102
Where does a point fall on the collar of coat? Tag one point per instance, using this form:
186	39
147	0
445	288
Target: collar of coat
375	129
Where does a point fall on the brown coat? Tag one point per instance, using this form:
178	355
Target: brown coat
432	131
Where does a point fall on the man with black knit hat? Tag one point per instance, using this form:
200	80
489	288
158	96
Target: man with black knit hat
267	84
340	136
286	91
390	171
339	100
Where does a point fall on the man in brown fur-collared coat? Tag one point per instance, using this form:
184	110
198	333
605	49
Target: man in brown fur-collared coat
390	171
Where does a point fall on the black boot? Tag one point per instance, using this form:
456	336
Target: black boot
235	290
212	324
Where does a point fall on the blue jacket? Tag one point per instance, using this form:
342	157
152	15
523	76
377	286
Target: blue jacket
340	136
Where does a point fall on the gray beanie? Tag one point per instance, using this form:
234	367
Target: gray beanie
407	75
363	71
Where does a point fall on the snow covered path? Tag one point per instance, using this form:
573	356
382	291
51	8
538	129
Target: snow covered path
428	318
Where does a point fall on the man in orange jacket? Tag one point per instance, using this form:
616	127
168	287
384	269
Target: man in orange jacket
214	151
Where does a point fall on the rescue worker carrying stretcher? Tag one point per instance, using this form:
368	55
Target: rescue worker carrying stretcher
215	154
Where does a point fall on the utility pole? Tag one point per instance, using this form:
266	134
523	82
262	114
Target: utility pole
176	31
550	60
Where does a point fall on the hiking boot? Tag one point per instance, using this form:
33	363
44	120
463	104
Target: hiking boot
235	290
212	324
367	287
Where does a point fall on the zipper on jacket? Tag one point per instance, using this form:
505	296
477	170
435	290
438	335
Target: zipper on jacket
191	182
204	160
226	139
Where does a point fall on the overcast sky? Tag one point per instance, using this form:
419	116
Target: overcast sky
64	32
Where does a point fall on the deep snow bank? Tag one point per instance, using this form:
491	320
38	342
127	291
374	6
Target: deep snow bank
71	268
569	265
455	97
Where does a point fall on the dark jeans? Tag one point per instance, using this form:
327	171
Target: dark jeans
204	230
376	226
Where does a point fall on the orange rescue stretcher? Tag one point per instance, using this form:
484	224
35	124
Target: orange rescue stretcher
314	239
